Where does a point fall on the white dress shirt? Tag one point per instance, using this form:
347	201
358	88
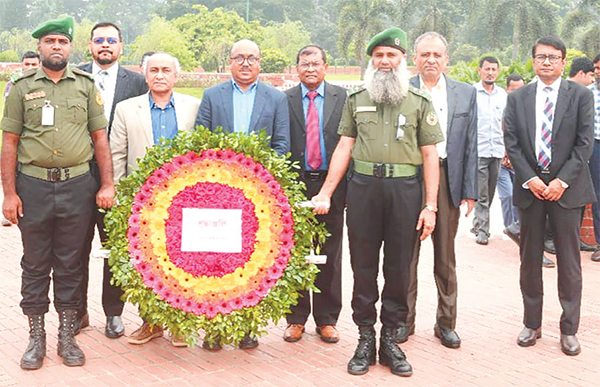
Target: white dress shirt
439	97
106	85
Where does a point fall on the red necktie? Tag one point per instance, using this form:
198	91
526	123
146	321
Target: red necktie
313	143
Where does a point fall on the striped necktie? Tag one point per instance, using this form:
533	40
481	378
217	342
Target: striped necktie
545	153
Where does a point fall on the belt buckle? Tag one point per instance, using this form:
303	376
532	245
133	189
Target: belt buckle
312	176
378	170
53	174
545	171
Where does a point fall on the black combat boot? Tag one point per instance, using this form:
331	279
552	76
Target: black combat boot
67	346
33	358
364	356
391	355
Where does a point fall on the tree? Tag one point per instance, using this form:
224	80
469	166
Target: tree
358	21
18	41
160	35
581	27
272	60
210	34
288	37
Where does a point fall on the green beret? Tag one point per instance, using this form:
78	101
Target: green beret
63	26
392	37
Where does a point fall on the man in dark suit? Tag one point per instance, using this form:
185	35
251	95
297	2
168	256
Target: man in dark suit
549	140
315	111
244	104
456	107
115	85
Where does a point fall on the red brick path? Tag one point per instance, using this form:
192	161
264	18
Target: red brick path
490	313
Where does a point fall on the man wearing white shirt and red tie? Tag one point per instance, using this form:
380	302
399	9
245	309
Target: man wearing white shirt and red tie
549	140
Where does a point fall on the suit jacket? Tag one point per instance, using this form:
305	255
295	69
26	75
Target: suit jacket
461	139
132	129
129	84
572	142
270	112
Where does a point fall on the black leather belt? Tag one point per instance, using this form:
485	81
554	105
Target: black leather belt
315	175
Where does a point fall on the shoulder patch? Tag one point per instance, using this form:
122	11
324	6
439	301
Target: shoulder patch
420	93
24	75
356	90
79	71
431	118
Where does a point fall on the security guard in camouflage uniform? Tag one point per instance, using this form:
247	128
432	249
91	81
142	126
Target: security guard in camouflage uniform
52	117
388	143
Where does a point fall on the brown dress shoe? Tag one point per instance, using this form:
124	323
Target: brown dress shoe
178	341
144	334
293	332
328	333
528	337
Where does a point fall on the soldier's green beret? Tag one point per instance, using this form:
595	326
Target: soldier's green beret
392	37
62	26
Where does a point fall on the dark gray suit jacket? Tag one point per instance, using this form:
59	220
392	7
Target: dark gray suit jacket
129	84
572	142
461	139
270	112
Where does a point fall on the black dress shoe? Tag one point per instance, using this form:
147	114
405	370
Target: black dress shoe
403	332
114	327
249	342
549	246
569	345
585	247
547	262
511	234
449	337
528	337
596	255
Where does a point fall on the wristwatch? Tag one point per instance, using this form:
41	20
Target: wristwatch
431	208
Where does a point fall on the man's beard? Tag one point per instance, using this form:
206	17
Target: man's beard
489	82
105	61
387	87
55	64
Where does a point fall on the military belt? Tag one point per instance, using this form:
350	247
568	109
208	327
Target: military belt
384	170
54	174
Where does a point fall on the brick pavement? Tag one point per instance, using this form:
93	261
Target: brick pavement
490	313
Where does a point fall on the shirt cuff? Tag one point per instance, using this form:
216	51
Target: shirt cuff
526	184
562	183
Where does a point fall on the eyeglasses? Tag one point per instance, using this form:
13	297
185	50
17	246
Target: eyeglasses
101	39
307	65
541	58
240	59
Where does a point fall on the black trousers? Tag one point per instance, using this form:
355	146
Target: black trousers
565	226
327	305
381	210
54	234
111	294
444	260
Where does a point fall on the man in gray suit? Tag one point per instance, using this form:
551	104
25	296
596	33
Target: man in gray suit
115	84
244	104
456	107
315	112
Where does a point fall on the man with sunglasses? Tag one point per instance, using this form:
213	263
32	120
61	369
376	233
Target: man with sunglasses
245	104
549	139
115	84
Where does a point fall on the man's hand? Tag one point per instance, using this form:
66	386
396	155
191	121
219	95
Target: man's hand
322	203
537	188
554	191
426	222
105	196
470	205
12	208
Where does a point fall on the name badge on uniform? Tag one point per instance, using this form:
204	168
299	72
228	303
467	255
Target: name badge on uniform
47	114
399	130
361	109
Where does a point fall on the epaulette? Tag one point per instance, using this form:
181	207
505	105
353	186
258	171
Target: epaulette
24	75
79	71
356	90
420	92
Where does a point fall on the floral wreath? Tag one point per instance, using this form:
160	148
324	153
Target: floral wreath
225	294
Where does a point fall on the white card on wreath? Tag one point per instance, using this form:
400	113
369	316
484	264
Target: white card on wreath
211	230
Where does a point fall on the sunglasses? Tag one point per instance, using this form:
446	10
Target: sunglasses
101	39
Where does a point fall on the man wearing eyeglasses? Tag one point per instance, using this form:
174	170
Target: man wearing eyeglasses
244	104
115	84
315	112
549	140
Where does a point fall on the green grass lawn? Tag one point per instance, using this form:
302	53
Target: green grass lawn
193	91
